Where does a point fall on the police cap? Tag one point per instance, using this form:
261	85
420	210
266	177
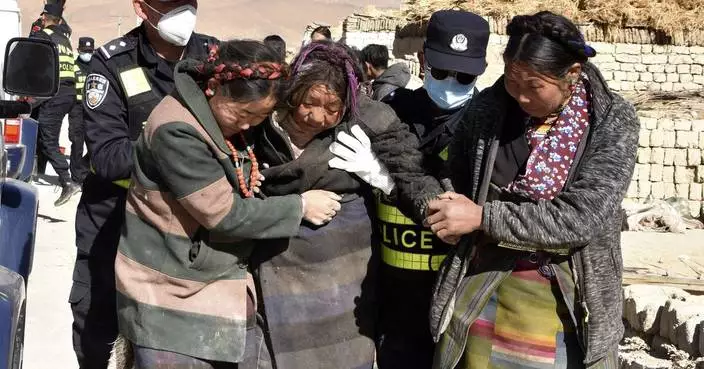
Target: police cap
53	9
456	40
86	44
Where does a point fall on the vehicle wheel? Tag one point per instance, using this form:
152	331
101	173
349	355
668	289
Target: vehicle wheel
19	339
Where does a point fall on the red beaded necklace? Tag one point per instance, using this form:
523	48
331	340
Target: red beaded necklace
254	172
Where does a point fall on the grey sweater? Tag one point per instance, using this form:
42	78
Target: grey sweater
585	217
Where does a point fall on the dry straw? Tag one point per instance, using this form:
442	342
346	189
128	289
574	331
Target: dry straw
666	15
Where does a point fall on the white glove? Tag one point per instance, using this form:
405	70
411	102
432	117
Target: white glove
355	155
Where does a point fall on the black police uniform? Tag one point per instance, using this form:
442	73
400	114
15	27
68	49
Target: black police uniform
76	125
127	80
405	289
51	113
456	41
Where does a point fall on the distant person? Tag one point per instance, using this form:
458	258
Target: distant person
321	33
38	24
76	126
385	79
51	113
278	44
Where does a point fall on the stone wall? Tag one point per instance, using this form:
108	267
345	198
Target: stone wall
670	157
664	328
630	59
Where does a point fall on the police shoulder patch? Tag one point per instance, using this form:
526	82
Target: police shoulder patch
96	88
118	46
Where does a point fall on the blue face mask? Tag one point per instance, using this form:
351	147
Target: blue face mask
447	93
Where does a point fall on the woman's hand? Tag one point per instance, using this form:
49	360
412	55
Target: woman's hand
319	207
452	216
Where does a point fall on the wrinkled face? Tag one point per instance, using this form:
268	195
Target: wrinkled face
234	117
320	109
143	10
538	95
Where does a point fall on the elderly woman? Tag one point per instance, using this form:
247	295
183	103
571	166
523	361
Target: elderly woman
541	162
185	297
317	287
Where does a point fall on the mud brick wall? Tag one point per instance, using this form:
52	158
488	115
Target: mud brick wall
670	158
668	322
631	59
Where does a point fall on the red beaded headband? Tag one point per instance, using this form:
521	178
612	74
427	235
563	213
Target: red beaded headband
230	71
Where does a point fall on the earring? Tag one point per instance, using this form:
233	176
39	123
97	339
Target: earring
572	84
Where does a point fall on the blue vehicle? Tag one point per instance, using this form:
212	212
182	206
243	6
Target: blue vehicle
20	142
30	70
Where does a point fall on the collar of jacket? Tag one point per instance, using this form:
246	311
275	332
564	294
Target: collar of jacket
191	95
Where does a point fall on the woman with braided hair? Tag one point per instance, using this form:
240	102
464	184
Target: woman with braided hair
185	295
541	162
317	288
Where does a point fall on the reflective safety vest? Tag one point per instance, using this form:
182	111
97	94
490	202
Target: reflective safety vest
80	82
66	58
405	244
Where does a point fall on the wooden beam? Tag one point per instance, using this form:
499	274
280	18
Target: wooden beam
687	284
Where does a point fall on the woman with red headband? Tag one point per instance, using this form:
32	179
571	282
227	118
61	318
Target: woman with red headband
185	295
317	288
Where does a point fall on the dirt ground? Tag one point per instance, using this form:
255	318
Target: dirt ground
672	254
226	19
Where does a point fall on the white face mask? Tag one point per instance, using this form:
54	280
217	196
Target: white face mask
176	26
447	93
85	57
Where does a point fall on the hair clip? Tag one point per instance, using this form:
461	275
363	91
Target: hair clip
589	51
213	53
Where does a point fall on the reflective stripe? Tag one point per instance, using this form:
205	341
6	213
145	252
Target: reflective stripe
407	260
444	153
48	31
390	214
66	74
124	183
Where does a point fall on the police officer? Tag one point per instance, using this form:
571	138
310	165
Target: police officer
455	55
38	24
76	126
52	112
128	78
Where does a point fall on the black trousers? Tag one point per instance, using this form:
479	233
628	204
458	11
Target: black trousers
404	340
76	134
51	115
93	303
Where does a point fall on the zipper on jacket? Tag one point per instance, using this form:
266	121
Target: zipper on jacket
584	322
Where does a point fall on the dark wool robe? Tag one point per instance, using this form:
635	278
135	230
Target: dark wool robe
316	289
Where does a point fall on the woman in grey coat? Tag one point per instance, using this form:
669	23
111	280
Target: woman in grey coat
540	163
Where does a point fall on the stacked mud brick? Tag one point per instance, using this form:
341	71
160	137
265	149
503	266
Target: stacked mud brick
670	158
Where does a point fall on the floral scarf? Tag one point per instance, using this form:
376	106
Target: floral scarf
553	148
